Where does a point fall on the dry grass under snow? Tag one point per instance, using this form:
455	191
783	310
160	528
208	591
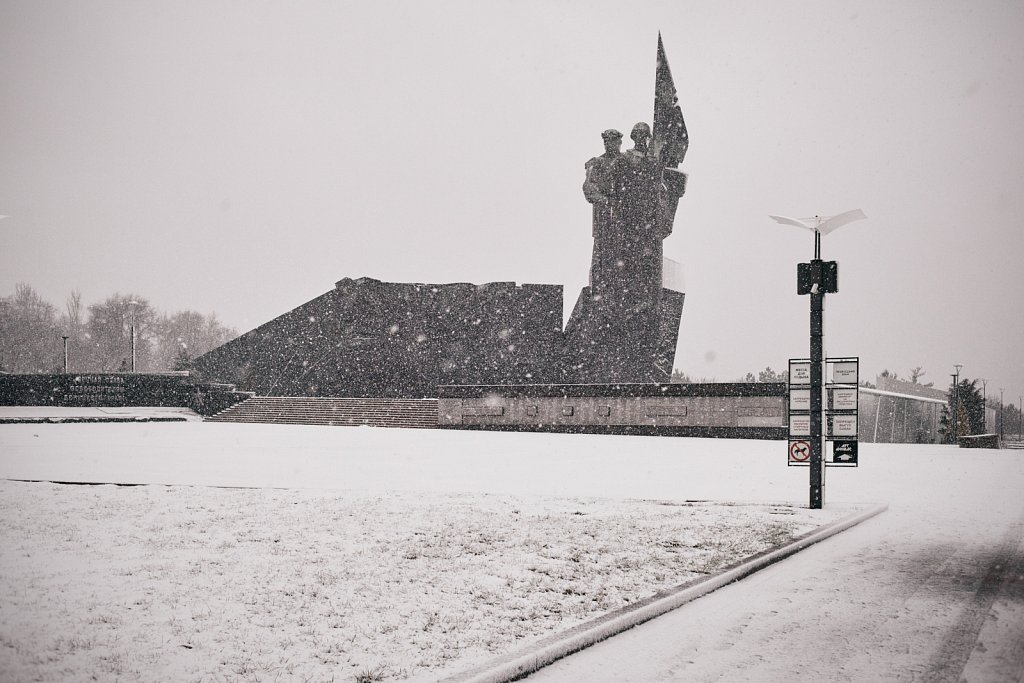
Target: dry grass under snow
194	583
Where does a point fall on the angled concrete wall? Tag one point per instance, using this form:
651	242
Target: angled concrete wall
371	338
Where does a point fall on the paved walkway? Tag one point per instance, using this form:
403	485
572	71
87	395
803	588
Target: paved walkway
932	590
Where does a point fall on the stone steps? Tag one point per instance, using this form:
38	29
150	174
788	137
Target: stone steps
1013	443
374	412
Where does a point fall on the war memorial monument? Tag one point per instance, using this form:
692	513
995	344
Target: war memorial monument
469	344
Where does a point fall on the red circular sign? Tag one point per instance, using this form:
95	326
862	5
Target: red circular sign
800	451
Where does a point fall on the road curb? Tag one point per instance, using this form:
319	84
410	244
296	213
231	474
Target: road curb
522	663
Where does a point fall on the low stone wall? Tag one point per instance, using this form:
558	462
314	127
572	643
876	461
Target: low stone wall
175	389
734	410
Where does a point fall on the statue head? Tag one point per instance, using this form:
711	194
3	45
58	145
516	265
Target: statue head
640	134
612	140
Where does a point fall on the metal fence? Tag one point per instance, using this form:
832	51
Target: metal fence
891	417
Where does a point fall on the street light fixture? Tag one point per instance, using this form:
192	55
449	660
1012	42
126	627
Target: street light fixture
816	278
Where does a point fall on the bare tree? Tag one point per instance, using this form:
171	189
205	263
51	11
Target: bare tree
29	337
187	334
109	334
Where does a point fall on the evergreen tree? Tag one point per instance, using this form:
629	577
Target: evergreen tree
769	375
183	361
970	412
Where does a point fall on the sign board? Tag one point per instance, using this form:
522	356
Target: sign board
799	372
799	425
799	452
844	372
843	425
844	453
799	399
844	399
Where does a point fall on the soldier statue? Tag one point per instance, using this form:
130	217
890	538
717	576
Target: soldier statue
599	188
618	324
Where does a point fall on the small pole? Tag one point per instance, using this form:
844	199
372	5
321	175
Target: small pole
1001	413
133	303
65	338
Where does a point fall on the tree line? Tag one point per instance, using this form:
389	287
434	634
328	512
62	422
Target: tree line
99	336
766	375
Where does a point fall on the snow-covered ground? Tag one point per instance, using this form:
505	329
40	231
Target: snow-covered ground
182	583
61	413
372	459
904	594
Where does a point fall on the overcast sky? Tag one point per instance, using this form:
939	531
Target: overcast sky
241	157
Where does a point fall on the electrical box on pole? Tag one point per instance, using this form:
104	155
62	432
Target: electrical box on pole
825	274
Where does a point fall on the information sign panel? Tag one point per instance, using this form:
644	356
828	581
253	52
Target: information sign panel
843	425
844	453
844	372
799	425
799	399
799	372
844	399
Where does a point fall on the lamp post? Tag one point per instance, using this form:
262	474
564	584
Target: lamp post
1020	413
956	403
133	303
65	338
816	278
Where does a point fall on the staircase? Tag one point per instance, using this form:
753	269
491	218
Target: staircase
1014	442
298	410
